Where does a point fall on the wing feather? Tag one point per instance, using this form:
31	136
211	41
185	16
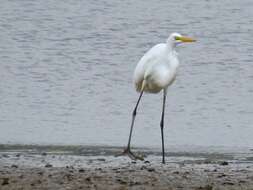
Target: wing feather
148	60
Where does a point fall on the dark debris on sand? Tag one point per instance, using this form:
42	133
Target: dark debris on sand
51	172
132	176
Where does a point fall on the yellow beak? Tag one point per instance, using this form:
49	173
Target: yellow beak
185	39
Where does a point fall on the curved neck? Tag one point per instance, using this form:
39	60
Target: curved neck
170	45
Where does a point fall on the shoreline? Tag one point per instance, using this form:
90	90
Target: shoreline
31	169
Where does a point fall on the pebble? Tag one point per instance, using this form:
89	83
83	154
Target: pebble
81	170
5	181
151	169
14	166
224	163
43	153
70	177
207	187
40	173
101	159
70	167
121	181
134	183
228	183
222	175
48	166
5	156
207	161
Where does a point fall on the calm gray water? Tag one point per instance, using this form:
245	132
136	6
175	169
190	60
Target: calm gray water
66	72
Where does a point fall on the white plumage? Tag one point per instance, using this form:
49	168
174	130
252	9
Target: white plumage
155	71
157	68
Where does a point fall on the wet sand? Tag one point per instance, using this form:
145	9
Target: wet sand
51	170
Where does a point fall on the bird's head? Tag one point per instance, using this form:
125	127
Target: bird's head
176	38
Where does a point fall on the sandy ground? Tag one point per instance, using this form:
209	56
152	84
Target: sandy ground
65	171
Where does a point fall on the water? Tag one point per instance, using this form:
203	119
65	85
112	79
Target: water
66	72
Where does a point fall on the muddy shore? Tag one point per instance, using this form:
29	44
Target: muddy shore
50	170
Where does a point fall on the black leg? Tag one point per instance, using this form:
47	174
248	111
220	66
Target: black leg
127	150
133	119
162	125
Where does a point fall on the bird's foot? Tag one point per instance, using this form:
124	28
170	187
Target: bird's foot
131	155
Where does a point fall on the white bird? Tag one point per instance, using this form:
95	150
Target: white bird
155	71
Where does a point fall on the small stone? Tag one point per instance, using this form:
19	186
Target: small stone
228	183
81	170
101	159
70	177
224	163
133	162
146	162
88	179
132	183
70	167
5	181
121	181
5	156
221	175
207	161
18	155
151	169
14	166
48	166
43	153
40	173
207	187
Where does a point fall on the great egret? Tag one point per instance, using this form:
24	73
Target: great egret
155	72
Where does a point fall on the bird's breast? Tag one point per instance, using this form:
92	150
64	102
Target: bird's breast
159	77
156	70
